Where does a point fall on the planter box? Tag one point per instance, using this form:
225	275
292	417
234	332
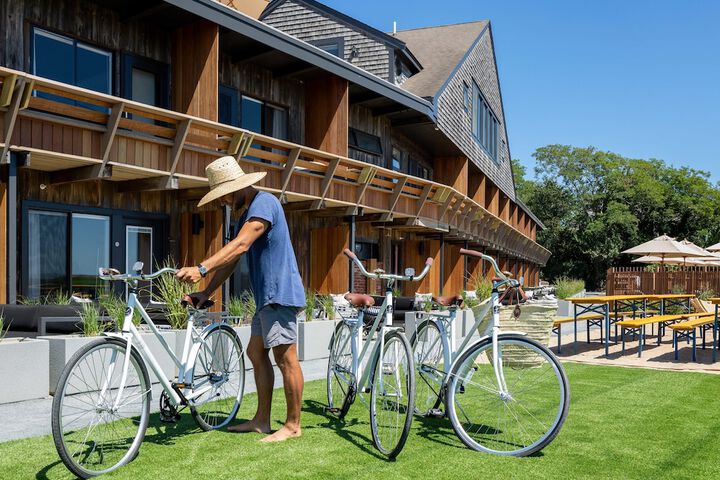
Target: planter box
62	347
23	369
314	339
565	308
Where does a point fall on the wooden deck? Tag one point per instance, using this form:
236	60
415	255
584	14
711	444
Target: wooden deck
75	134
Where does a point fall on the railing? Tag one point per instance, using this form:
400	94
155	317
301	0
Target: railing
78	134
635	280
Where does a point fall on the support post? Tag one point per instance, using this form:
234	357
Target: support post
351	285
11	233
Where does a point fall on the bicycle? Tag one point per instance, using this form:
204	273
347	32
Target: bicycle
505	394
101	407
388	379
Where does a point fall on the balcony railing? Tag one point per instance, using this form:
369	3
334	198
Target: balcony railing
76	134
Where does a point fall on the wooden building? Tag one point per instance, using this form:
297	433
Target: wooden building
110	111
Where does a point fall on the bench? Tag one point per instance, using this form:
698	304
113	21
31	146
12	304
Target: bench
688	330
637	326
591	319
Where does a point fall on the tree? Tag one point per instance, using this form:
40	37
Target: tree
596	204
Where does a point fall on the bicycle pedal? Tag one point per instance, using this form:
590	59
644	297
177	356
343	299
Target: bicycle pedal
170	418
333	410
435	413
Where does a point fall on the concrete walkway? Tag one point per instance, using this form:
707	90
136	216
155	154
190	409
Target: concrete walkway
32	418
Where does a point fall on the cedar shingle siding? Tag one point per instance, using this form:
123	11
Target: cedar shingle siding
457	124
307	24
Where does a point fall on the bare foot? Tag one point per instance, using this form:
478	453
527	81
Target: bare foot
251	426
283	434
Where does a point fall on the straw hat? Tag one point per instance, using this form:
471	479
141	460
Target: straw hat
226	176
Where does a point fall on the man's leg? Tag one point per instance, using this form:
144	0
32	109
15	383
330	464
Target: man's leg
287	361
264	381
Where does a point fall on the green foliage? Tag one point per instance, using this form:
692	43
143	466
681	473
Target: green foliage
242	307
469	301
309	304
92	324
481	285
595	204
705	295
169	290
327	306
58	297
3	329
567	287
114	308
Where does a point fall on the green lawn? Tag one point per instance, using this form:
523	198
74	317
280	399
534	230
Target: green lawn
623	423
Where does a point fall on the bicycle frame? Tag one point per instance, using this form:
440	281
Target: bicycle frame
131	336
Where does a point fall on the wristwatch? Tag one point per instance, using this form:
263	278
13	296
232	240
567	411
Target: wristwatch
203	271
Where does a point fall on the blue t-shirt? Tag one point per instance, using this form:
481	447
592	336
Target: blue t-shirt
274	275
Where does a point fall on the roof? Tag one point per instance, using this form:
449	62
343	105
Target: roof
258	31
440	50
380	35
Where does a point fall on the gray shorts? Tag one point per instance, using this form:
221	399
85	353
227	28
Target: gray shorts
276	324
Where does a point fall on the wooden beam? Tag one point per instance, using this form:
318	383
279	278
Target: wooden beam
422	200
327	180
235	142
109	135
388	216
81	174
288	171
180	135
364	179
148	184
10	118
7	90
27	93
244	146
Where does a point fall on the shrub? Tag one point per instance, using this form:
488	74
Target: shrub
309	304
705	295
469	301
481	285
327	306
242	307
567	287
169	290
92	324
3	329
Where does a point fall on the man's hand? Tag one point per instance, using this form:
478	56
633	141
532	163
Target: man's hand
196	299
189	275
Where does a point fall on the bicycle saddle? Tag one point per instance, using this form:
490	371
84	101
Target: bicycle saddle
359	300
206	304
448	300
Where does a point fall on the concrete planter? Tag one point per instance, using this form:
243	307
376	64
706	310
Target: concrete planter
565	308
23	369
314	338
62	347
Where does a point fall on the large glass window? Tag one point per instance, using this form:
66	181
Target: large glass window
139	248
66	60
485	123
90	251
146	81
251	114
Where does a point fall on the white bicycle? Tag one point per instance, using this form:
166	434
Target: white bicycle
387	374
101	407
505	394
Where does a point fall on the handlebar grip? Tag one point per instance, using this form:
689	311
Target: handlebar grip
429	262
350	254
472	253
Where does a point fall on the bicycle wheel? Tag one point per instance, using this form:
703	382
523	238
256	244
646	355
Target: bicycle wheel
392	396
428	354
519	421
340	378
93	433
218	378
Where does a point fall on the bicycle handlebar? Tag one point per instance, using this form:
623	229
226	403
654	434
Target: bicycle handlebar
491	260
388	276
114	275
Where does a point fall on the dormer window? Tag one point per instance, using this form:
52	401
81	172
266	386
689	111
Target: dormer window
334	46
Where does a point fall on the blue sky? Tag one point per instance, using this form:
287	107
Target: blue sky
640	78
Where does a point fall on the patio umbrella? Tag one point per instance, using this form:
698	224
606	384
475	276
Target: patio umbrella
664	247
714	248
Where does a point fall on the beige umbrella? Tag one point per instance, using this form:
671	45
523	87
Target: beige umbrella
664	247
714	248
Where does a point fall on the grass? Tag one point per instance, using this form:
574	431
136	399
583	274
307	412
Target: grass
623	423
567	287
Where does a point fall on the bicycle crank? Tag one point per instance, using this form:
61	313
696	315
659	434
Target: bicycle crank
168	412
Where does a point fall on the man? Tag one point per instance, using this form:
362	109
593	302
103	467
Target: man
263	234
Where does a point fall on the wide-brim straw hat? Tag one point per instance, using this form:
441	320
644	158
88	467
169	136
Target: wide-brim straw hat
226	176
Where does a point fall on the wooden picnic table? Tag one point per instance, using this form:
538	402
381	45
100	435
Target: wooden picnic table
601	305
716	302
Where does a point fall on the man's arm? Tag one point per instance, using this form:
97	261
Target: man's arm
227	256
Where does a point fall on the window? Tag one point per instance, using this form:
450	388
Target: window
396	160
66	60
333	46
67	251
484	123
145	80
228	106
252	114
364	142
366	250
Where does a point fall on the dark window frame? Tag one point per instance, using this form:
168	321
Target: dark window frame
334	41
238	95
160	69
119	218
234	95
353	142
485	124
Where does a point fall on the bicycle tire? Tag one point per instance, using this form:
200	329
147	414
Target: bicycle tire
428	387
219	408
537	358
397	369
145	389
340	360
